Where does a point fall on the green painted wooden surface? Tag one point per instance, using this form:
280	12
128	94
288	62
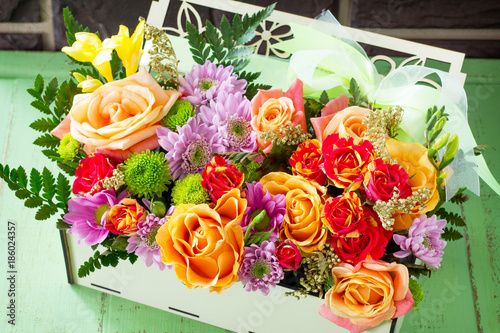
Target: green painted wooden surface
462	296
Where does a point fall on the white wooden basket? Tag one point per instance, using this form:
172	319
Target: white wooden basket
235	309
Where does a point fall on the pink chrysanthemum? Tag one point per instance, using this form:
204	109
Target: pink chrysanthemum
144	243
260	268
231	115
83	211
190	148
260	199
423	240
204	83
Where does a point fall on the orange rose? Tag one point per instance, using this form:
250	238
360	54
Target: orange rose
121	115
122	219
272	109
303	224
413	158
367	294
205	244
348	122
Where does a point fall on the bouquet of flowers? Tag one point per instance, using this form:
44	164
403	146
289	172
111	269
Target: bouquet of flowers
231	182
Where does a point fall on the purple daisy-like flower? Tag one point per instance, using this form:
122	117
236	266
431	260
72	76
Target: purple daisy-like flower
205	82
144	243
232	116
84	211
423	240
190	148
259	199
260	268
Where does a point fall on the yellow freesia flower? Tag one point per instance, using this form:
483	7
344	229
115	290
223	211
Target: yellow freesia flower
89	48
87	84
129	49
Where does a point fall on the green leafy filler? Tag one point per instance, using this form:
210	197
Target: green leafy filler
226	46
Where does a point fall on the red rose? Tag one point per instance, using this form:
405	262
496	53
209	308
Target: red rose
288	255
345	215
219	177
307	161
92	170
346	160
370	244
382	178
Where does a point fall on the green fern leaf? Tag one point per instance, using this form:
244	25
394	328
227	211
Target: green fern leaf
47	140
451	234
36	181
49	190
33	202
45	212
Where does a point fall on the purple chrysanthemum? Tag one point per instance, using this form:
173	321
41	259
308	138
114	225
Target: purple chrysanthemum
260	269
190	148
423	240
204	83
144	243
259	199
231	115
85	210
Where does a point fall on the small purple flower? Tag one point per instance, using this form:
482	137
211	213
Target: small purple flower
260	199
204	83
83	212
260	269
232	116
190	148
423	240
144	243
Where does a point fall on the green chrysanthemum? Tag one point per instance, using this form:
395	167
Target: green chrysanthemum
68	148
147	174
178	115
189	190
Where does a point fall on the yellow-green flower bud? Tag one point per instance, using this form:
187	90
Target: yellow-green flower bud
452	148
431	152
441	142
158	208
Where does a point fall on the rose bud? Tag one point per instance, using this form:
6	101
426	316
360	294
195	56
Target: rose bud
122	219
288	255
90	172
219	177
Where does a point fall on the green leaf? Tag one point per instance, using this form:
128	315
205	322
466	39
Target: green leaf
451	234
61	225
37	90
226	33
479	149
44	124
197	43
33	202
324	97
50	91
22	193
253	89
416	292
132	257
44	212
35	181
452	218
22	178
312	108
355	92
41	106
49	190
120	243
72	26
239	157
47	140
215	43
251	23
63	190
258	237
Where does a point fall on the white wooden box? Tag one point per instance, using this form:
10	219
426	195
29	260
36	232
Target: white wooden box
235	309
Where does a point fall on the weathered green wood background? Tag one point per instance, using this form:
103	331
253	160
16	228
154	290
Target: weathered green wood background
462	296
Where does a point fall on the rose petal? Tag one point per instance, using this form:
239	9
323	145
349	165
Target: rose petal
63	128
404	306
335	105
325	312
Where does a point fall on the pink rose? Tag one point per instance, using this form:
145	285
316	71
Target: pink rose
367	294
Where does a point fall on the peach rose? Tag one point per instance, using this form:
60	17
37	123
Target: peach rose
367	294
413	158
272	109
303	223
205	244
120	116
347	121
